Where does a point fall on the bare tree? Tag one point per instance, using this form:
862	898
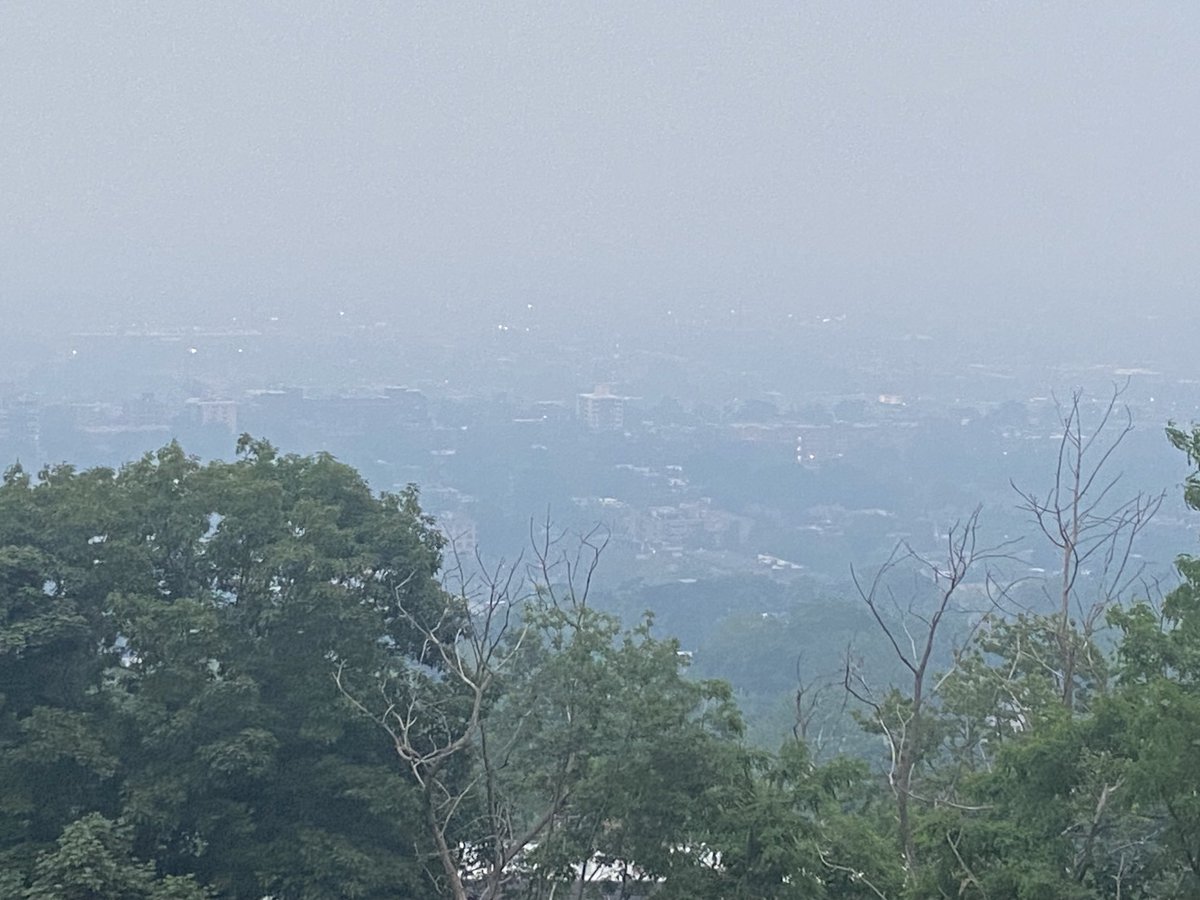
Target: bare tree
436	706
812	713
1092	531
431	705
913	634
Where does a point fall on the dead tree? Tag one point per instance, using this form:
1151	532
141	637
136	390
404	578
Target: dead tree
1092	532
431	704
435	707
913	635
811	716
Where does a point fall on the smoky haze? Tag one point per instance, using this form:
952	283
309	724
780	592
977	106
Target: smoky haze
161	161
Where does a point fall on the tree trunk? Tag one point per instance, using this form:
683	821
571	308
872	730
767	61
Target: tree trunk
1066	645
906	764
449	863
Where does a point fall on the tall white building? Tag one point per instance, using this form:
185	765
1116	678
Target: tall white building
601	410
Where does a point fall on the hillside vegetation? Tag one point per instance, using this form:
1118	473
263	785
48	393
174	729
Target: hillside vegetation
259	678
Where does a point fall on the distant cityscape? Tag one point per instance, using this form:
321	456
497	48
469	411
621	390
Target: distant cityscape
830	445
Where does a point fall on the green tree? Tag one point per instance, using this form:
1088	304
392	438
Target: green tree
56	754
166	644
242	764
93	860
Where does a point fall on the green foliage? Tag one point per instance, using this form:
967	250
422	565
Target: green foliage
195	662
784	827
1098	802
622	730
93	860
166	647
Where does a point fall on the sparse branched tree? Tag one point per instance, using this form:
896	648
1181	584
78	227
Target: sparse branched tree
543	736
1092	530
811	707
431	703
913	629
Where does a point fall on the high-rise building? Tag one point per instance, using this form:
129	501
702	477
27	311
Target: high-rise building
601	410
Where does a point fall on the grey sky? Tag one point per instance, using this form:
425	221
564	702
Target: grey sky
405	156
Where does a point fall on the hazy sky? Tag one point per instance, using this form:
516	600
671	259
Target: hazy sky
411	157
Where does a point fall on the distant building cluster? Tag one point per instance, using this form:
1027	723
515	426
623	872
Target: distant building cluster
775	462
687	525
110	432
221	414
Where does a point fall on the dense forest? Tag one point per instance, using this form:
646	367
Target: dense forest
259	678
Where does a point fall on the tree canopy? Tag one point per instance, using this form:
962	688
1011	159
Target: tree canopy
259	678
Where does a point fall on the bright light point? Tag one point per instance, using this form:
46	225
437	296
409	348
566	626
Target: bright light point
192	350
